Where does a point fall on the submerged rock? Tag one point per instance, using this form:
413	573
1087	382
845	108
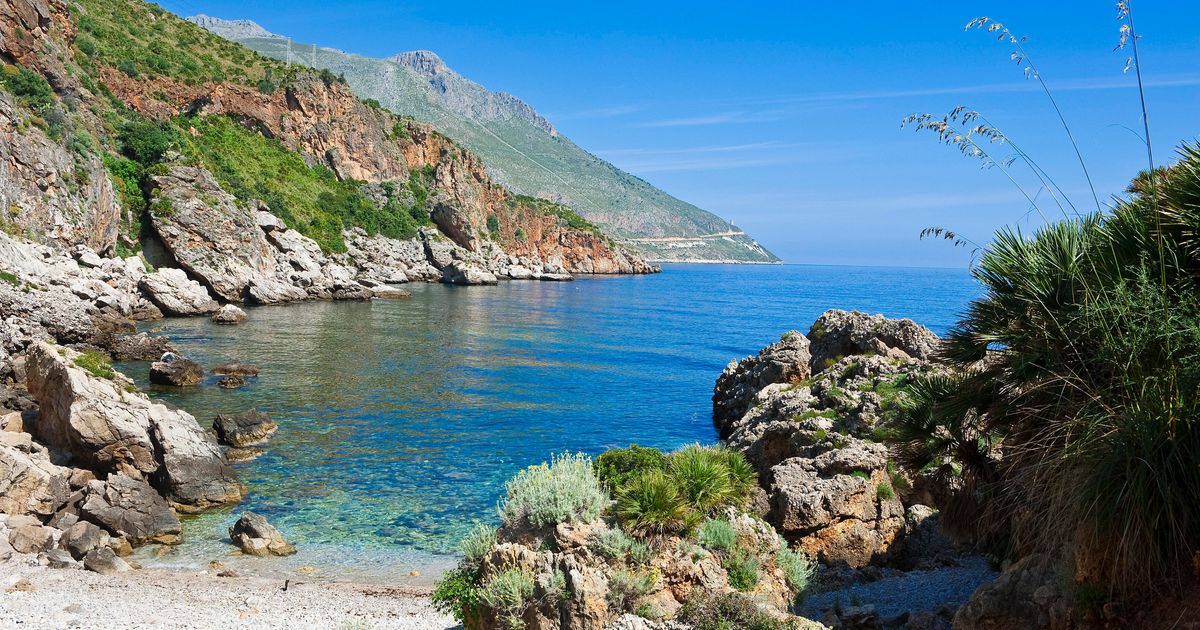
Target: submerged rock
176	371
231	381
245	429
236	369
255	536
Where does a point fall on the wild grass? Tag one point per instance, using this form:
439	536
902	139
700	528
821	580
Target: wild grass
95	363
561	491
709	611
615	544
615	467
716	535
797	570
652	504
626	588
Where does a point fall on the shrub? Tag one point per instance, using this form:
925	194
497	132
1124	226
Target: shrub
612	543
797	570
476	544
30	88
96	364
703	477
508	594
884	491
704	610
147	141
458	594
743	569
493	225
651	503
617	466
565	490
625	589
717	535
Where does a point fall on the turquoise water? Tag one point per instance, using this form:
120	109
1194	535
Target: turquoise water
400	420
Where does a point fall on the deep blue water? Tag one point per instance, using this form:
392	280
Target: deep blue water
400	420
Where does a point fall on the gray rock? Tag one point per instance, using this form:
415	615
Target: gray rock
138	347
236	369
176	371
837	334
255	536
82	537
736	388
175	294
29	482
130	508
105	562
59	559
464	274
246	429
194	473
229	314
231	381
32	538
1029	595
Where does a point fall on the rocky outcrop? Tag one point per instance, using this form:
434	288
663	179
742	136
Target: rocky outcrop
782	362
176	371
837	334
139	347
805	412
130	508
105	425
175	294
255	536
1029	595
246	429
459	273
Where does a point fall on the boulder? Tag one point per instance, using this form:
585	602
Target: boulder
464	274
59	559
782	362
138	347
229	314
245	429
195	473
175	294
255	536
236	369
838	333
1029	595
176	371
32	538
231	381
105	562
29	482
81	538
130	508
831	504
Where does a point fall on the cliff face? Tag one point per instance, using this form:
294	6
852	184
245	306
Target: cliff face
325	122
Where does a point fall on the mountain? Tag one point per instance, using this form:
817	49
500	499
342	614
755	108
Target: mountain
521	148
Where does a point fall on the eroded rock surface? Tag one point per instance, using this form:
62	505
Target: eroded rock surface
255	536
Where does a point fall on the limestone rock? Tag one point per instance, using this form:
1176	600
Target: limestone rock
130	508
175	294
246	429
255	536
782	362
138	347
236	369
229	314
837	334
459	273
194	473
1029	595
29	482
59	559
105	562
32	538
176	371
81	538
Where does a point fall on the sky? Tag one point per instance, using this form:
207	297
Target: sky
785	117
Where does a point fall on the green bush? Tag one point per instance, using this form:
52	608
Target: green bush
651	503
476	544
717	535
703	477
10	278
617	466
703	610
30	88
508	593
743	569
797	570
458	594
565	490
626	588
884	491
147	141
96	364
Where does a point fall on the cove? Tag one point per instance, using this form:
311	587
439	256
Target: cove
400	420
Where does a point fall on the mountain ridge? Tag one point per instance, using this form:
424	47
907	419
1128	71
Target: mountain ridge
521	148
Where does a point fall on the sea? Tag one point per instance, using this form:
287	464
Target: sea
400	420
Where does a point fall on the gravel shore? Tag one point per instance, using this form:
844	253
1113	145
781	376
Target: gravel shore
917	591
43	598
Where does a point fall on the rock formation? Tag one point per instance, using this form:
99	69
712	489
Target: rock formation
255	536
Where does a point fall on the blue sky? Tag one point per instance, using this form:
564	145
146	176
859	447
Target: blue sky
785	117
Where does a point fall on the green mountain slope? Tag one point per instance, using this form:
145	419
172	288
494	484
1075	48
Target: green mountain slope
522	149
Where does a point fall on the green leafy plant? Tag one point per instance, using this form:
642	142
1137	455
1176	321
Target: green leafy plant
10	278
797	569
458	594
615	467
717	535
564	490
703	477
743	569
626	588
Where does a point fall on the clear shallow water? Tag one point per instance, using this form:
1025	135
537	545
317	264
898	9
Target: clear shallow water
400	420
